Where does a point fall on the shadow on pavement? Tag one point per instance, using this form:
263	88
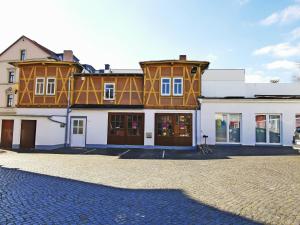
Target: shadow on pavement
41	199
219	152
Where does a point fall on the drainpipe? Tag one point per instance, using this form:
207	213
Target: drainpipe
68	111
196	133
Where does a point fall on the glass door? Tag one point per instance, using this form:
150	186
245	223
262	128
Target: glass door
234	128
268	128
274	129
261	128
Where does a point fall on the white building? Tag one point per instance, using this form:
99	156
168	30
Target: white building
235	112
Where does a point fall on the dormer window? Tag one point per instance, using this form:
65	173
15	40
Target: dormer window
165	86
23	55
109	91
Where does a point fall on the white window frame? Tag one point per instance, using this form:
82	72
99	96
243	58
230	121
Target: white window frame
14	76
37	78
268	128
25	54
161	86
178	78
227	129
114	90
12	101
47	91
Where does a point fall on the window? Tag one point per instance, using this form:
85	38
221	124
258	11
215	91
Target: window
10	98
109	91
165	86
39	86
23	55
78	126
268	128
174	125
11	76
117	125
177	86
50	86
228	127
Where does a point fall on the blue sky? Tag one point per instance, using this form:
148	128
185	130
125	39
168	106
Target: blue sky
261	36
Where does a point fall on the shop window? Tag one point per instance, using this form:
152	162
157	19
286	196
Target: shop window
228	127
268	128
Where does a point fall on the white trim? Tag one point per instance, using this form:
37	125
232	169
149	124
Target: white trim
161	85
47	93
181	94
35	91
114	91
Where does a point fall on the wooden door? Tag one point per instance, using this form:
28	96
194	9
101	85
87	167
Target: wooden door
28	131
7	133
125	128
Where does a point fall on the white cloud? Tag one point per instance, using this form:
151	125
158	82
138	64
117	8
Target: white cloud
280	50
289	14
282	64
295	34
258	76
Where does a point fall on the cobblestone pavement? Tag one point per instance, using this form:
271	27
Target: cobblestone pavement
93	189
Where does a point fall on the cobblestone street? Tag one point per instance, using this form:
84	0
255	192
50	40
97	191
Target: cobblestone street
97	189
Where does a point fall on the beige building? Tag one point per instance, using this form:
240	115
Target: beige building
21	50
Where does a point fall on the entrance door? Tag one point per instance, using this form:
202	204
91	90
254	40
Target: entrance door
173	129
78	126
125	128
7	133
28	130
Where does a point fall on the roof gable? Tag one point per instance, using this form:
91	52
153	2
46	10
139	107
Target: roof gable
41	53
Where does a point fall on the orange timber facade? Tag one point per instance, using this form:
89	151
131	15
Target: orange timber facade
64	103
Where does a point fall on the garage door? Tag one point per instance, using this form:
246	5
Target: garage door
173	129
28	130
7	133
125	128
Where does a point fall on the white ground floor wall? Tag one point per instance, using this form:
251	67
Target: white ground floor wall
50	132
287	109
97	124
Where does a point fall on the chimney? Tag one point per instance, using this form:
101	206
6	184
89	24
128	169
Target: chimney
68	56
107	68
182	57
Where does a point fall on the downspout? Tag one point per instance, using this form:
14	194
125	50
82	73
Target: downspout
68	112
196	128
